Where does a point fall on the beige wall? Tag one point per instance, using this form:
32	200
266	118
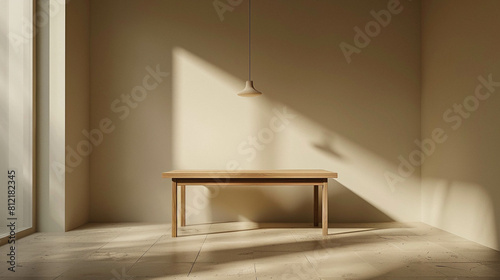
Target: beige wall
356	118
460	179
77	112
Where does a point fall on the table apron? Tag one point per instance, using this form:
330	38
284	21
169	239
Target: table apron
249	181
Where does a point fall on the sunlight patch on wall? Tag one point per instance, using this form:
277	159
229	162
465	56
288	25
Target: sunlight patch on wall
462	208
208	117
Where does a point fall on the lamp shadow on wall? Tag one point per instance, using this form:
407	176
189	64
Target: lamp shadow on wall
327	145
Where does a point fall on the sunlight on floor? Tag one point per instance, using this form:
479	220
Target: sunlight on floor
247	250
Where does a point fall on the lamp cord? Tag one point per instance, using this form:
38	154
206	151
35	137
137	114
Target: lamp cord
249	40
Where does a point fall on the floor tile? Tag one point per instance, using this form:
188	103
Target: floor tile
351	267
239	268
465	270
97	269
111	255
217	254
159	269
303	270
418	270
169	256
277	257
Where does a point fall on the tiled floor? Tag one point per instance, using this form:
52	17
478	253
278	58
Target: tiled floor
251	251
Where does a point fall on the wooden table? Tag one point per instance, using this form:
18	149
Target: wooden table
302	177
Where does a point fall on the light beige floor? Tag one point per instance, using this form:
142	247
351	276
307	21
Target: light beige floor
251	251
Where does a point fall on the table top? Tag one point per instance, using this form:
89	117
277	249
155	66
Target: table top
267	174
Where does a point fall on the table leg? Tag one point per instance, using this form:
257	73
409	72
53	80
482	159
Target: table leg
315	207
325	208
174	208
183	205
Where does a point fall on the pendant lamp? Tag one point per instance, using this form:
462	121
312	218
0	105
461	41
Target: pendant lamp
249	90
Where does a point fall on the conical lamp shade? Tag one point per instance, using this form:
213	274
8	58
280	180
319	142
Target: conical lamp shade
249	90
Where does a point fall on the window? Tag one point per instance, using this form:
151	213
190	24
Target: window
16	115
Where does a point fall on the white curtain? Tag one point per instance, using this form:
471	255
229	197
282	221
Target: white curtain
16	108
